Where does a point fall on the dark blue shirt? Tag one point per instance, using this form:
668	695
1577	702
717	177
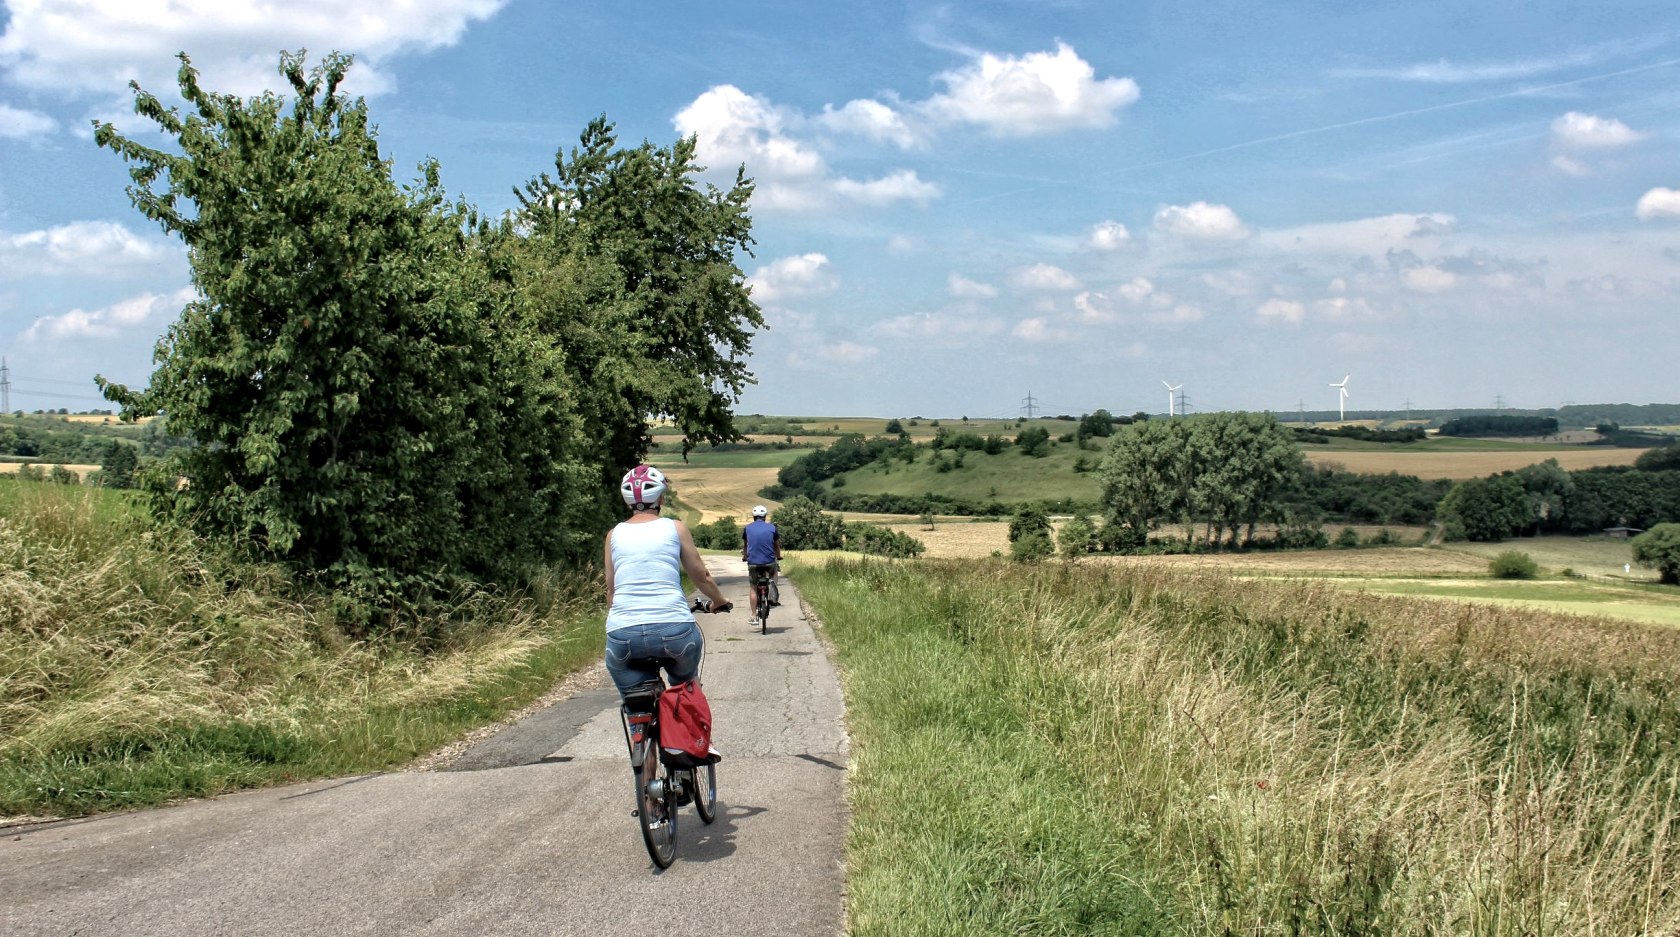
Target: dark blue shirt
760	537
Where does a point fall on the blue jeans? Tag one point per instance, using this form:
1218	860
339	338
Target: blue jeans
679	643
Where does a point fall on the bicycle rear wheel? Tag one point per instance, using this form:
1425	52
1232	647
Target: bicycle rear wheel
763	609
705	792
656	808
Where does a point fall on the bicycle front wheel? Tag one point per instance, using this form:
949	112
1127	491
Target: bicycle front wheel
705	792
656	809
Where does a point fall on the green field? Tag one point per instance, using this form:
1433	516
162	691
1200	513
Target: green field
706	457
1071	749
1007	476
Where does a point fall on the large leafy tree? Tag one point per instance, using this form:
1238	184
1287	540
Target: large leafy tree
628	262
359	409
1659	547
1485	509
1229	470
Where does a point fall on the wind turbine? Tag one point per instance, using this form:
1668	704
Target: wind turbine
1171	389
1341	402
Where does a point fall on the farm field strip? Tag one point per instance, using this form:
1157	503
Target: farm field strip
1467	463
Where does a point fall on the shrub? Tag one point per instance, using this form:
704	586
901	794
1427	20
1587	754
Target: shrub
1383	538
1659	548
1077	536
1027	521
721	534
804	526
881	541
1513	564
1032	547
1347	538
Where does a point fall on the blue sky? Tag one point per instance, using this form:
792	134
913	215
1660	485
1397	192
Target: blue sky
962	204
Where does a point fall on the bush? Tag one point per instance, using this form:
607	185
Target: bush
1383	538
1077	537
1027	521
1659	548
1347	538
1513	564
721	534
1032	547
804	526
881	541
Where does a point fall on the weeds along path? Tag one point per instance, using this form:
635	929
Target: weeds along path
530	833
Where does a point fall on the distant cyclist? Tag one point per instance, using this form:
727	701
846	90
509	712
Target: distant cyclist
648	616
761	547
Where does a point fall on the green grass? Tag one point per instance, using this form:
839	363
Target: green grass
1652	604
1007	476
726	458
1088	749
138	666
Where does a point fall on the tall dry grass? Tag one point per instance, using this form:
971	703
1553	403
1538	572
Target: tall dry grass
1273	758
138	665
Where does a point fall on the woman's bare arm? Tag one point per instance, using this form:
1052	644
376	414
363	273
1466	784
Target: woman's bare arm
695	567
607	564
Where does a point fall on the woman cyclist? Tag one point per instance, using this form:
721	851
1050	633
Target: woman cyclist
647	615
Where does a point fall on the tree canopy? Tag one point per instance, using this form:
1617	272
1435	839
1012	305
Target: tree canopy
1659	548
382	385
1227	469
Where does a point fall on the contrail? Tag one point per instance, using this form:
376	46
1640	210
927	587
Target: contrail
1397	115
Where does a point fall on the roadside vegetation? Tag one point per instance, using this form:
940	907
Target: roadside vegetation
1067	749
386	437
140	665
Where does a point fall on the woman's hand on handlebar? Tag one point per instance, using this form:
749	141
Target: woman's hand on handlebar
720	608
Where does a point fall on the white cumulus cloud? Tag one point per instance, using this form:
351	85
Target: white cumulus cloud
964	288
1040	329
1044	277
1570	166
99	323
1107	236
1428	279
902	185
1201	221
735	128
948	326
1658	203
18	124
872	120
788	277
80	248
99	45
1040	92
1590	131
1282	310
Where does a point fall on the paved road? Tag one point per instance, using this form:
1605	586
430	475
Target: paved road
530	833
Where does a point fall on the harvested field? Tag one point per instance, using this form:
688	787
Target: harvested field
1468	464
1371	561
954	539
11	468
721	492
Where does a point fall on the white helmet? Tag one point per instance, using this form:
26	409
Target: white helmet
760	510
643	484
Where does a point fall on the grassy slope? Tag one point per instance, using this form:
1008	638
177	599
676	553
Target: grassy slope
1013	476
137	667
1129	751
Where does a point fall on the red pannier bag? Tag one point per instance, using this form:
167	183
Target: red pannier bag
685	726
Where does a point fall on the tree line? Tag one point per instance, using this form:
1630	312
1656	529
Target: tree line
387	388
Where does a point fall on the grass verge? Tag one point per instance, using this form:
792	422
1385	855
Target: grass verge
1070	750
138	667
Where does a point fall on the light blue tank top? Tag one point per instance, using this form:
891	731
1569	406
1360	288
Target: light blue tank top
647	575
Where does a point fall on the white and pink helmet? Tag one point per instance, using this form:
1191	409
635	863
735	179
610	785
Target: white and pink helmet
643	484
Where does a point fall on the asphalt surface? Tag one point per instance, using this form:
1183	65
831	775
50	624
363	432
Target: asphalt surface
529	832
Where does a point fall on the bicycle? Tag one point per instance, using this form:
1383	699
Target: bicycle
761	577
661	789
